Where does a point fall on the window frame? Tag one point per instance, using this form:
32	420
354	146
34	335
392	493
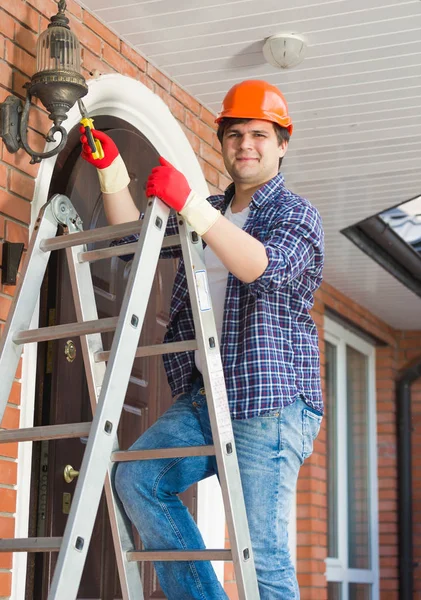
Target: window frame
337	568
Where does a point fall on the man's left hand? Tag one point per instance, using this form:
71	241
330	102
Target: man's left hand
169	184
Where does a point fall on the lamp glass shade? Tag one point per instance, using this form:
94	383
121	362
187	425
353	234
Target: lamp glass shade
58	49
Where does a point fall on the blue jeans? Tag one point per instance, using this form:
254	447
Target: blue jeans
270	449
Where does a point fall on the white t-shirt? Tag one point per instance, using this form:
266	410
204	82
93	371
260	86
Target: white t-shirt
218	276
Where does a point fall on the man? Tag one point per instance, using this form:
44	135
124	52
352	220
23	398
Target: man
264	257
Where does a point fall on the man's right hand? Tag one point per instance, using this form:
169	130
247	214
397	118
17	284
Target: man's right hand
112	172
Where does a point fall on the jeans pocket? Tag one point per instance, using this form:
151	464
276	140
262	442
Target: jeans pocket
311	428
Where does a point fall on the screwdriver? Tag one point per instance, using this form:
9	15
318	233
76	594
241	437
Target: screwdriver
88	123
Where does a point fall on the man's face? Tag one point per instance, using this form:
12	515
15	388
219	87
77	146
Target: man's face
251	152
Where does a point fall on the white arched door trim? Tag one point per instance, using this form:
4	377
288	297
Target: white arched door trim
128	99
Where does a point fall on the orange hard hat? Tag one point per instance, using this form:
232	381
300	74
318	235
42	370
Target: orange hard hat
256	99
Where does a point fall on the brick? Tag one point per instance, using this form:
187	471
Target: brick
10	418
7	25
26	39
3	179
213	190
159	77
15	207
216	143
7	500
8	472
316	553
410	342
6	583
200	129
146	80
10	450
177	109
6	75
6	560
210	173
7	527
193	139
20	59
21	161
231	591
2	44
212	157
19	80
85	36
5	304
22	185
229	574
93	63
43	23
310	594
47	8
120	64
133	56
18	373
313	580
74	8
14	396
224	181
101	29
40	121
208	117
22	12
185	98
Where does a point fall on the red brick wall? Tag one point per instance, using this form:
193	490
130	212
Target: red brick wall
102	52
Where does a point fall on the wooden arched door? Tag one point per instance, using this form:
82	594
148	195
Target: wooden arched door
65	395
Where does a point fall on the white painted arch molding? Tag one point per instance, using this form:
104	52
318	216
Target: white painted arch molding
128	99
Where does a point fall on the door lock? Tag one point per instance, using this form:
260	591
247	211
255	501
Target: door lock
69	473
70	351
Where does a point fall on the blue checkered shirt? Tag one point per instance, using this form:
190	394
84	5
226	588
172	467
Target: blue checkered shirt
269	344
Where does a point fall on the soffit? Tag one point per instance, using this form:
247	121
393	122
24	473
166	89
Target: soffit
355	103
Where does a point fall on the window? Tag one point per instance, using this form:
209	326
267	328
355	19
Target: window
393	239
352	563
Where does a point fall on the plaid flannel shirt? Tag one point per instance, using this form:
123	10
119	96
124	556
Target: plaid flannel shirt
269	345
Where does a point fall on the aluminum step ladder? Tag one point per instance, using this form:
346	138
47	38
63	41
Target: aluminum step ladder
108	376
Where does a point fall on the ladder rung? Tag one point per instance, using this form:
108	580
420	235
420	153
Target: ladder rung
179	555
101	234
163	453
155	350
62	331
45	432
40	544
102	253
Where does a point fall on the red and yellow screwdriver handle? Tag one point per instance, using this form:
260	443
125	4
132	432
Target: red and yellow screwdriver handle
94	144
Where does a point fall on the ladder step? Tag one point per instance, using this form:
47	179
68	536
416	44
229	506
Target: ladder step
102	253
101	234
45	544
166	555
46	432
155	350
40	544
57	332
124	456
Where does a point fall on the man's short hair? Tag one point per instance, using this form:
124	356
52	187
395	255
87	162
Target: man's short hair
282	133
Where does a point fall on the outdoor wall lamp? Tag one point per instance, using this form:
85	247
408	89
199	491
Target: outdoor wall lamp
58	83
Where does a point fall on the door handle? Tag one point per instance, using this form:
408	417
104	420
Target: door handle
69	473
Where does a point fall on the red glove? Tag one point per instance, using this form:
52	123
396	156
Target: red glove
110	149
168	184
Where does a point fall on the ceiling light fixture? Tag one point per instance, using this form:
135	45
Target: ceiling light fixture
285	50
